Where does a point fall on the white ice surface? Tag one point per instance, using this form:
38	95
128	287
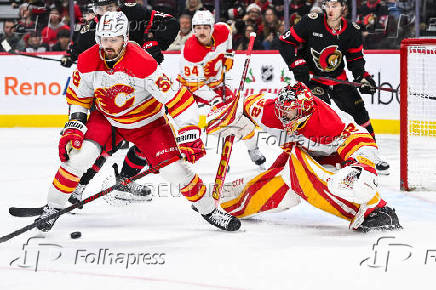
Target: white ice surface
301	248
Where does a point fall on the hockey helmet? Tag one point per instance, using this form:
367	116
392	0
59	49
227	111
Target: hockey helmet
112	24
293	106
203	17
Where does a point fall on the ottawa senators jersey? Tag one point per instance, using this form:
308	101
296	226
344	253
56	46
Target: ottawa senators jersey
325	132
322	48
132	93
202	67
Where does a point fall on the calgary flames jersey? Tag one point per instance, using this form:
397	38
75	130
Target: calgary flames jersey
323	48
132	93
203	67
325	132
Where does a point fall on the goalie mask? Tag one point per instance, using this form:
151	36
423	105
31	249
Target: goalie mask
293	106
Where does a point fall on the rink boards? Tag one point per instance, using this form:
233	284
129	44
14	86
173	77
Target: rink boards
32	91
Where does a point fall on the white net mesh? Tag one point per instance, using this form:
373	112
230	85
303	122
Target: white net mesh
421	116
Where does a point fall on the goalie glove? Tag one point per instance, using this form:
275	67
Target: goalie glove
228	119
190	143
356	183
72	138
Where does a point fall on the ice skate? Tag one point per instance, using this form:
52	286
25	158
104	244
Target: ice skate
222	220
384	219
47	225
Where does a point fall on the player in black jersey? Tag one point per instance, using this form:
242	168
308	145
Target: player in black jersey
316	47
152	30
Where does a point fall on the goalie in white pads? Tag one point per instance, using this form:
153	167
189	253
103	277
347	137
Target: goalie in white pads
206	58
129	91
310	132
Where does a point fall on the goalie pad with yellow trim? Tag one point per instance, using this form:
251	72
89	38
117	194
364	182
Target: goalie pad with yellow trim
293	174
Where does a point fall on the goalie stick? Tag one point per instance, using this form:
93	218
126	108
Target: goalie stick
227	146
354	84
87	200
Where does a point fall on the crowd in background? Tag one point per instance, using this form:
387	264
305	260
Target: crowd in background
45	27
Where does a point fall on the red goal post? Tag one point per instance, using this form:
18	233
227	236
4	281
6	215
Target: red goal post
418	114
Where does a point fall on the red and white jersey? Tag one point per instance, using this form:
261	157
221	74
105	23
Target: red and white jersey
325	132
202	67
132	93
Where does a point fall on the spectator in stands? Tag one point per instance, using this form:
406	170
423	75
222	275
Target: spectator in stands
55	24
300	7
63	40
184	33
276	40
270	27
192	6
243	42
35	44
263	4
26	21
238	29
9	40
372	17
254	19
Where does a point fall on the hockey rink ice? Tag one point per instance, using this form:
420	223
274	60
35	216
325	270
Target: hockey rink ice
301	248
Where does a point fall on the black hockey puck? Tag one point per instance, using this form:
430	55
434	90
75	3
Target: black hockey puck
76	235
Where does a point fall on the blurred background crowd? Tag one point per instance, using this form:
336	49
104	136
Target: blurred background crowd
42	26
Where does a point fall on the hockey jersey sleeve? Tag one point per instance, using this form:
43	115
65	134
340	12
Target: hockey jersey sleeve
293	39
79	94
260	109
178	99
164	27
354	53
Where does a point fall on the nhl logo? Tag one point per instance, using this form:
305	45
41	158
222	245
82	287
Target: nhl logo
267	73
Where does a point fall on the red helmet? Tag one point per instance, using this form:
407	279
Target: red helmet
293	106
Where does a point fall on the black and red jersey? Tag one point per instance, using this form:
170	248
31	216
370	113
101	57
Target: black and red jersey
311	41
143	22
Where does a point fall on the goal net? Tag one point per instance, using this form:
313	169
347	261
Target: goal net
418	114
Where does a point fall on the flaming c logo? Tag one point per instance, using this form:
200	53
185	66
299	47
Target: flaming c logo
210	69
328	59
115	99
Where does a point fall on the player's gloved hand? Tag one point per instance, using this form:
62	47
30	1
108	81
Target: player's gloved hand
190	143
368	85
153	48
300	70
66	61
72	137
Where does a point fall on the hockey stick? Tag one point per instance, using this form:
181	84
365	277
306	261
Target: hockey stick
354	84
87	200
25	211
227	146
38	57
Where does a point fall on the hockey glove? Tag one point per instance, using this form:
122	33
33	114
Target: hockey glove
153	48
368	85
72	137
66	61
300	70
190	143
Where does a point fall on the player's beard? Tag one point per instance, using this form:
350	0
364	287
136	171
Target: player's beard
110	53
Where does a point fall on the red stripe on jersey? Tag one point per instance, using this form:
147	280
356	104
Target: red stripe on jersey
275	199
295	35
355	50
150	23
349	60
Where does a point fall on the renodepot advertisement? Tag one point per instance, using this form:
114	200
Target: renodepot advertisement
31	86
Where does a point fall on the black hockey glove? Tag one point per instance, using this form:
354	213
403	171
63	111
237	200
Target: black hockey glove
300	70
66	61
153	48
368	85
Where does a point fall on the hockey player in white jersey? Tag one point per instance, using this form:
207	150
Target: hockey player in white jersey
129	91
206	58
